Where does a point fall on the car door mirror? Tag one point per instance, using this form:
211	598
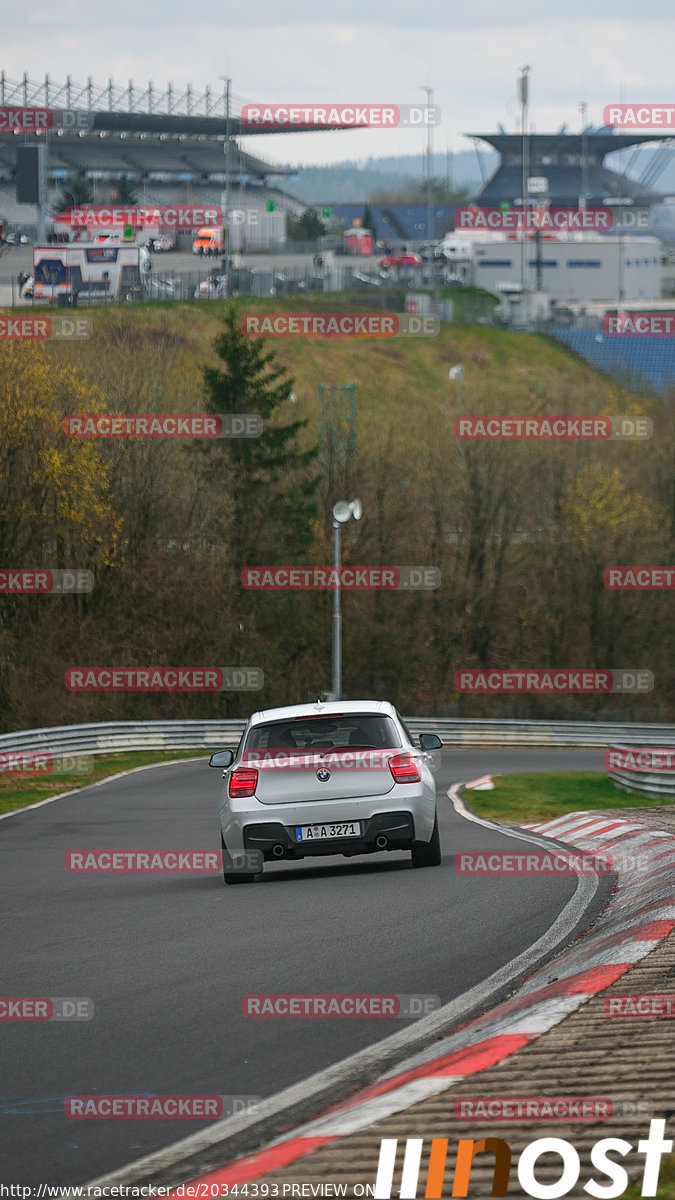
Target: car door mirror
222	758
430	741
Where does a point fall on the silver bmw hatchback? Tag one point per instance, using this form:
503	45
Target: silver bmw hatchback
326	778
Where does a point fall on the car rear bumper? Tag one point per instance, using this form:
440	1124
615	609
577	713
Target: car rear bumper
415	803
395	831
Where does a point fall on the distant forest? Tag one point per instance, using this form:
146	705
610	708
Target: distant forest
350	181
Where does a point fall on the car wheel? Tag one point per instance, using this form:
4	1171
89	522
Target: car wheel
428	854
237	877
234	876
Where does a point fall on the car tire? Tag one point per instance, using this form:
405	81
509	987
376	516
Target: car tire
230	876
428	854
237	877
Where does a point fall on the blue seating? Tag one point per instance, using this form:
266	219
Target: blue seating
638	362
400	222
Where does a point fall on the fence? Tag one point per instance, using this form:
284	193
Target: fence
165	284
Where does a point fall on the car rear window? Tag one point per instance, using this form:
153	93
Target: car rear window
364	730
405	729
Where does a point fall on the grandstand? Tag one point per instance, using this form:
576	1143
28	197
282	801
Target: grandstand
396	223
638	362
15	215
569	166
169	145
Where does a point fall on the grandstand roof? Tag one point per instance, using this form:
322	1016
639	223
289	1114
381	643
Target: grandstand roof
152	110
166	134
558	158
591	141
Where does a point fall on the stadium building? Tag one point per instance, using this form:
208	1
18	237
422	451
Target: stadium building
565	169
173	147
619	258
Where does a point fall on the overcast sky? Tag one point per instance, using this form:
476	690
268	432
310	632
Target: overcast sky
380	51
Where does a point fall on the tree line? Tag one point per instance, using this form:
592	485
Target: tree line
521	534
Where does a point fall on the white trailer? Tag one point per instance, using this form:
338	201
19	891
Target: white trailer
63	273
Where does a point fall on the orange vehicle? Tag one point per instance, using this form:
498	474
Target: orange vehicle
210	240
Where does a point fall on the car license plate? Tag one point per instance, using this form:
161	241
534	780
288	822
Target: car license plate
319	833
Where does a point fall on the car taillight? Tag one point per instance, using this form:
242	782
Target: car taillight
243	782
404	769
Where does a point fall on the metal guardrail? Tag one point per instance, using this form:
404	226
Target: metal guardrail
572	734
115	737
658	784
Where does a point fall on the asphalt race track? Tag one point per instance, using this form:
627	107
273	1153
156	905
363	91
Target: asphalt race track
168	958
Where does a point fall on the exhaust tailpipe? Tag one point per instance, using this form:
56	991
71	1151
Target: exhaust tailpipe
381	842
278	850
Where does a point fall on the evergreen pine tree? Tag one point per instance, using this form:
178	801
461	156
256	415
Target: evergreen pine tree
267	482
76	191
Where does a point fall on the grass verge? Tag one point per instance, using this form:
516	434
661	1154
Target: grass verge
666	1187
518	799
17	792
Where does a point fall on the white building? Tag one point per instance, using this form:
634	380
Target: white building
573	269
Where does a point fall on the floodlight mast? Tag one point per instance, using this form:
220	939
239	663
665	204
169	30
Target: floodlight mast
342	511
429	159
226	223
523	92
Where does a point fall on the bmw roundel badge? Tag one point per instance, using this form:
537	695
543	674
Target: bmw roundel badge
323	774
